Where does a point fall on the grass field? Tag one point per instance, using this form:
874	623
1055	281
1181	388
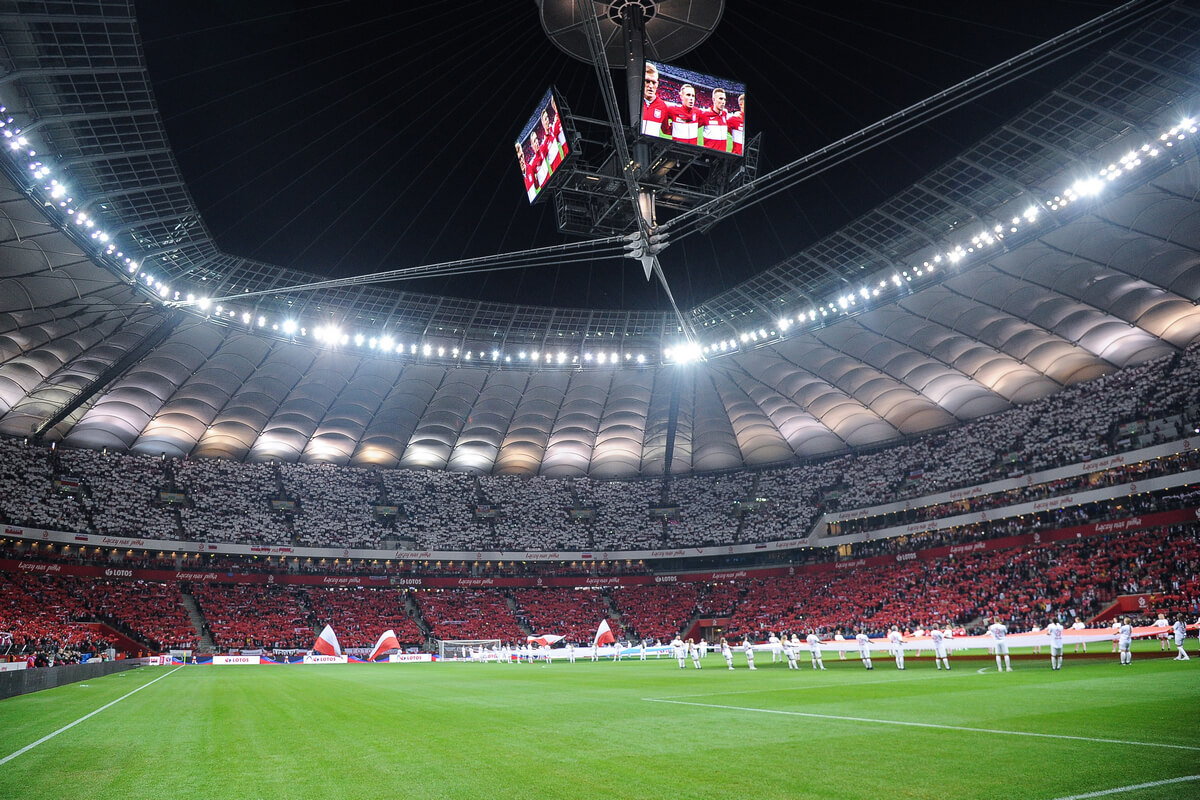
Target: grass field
610	730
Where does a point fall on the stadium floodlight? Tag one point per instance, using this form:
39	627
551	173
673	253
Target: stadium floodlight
204	303
289	325
1088	187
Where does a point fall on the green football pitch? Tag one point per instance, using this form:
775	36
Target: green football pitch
614	730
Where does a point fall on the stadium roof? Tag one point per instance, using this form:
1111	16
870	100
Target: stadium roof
1056	249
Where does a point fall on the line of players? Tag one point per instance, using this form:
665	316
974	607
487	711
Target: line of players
716	127
548	148
790	649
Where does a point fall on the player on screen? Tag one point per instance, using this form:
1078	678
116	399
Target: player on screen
684	117
714	123
737	125
550	140
541	169
527	173
654	109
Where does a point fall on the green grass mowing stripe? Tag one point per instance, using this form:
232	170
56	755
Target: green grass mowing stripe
84	718
875	721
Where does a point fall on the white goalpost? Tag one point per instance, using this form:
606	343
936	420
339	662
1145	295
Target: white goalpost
468	649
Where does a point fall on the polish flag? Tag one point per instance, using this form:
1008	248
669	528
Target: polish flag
387	641
327	643
604	634
547	638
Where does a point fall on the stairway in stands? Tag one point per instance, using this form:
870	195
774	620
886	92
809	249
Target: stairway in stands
197	619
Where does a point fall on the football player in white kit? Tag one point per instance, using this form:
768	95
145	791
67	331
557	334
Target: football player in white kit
837	637
864	648
1078	626
1165	636
748	648
695	651
727	651
1000	645
1125	640
814	649
1055	631
776	648
1180	631
897	642
789	652
679	651
939	648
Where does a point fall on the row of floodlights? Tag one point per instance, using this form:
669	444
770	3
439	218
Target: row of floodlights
851	302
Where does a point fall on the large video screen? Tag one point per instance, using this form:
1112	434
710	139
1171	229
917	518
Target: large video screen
542	146
693	108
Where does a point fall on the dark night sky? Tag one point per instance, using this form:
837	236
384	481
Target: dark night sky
344	138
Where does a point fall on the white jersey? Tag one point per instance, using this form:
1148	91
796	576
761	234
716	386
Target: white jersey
864	643
1125	633
1055	631
814	643
1180	630
997	631
897	640
939	643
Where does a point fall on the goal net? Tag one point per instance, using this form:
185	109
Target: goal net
469	649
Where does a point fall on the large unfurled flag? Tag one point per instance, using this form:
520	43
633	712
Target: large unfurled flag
544	639
327	643
604	634
387	641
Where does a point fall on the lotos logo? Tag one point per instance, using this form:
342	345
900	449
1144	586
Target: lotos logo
906	557
407	581
666	578
118	573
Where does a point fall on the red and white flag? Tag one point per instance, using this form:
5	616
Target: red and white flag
387	641
327	643
545	638
604	634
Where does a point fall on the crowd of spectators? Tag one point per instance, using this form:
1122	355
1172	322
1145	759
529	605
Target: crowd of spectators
118	493
574	614
360	614
1024	586
48	612
655	612
470	614
230	502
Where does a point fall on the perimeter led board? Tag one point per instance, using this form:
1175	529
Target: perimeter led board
542	146
693	108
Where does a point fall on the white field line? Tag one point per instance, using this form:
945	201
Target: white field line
70	725
922	724
1135	787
